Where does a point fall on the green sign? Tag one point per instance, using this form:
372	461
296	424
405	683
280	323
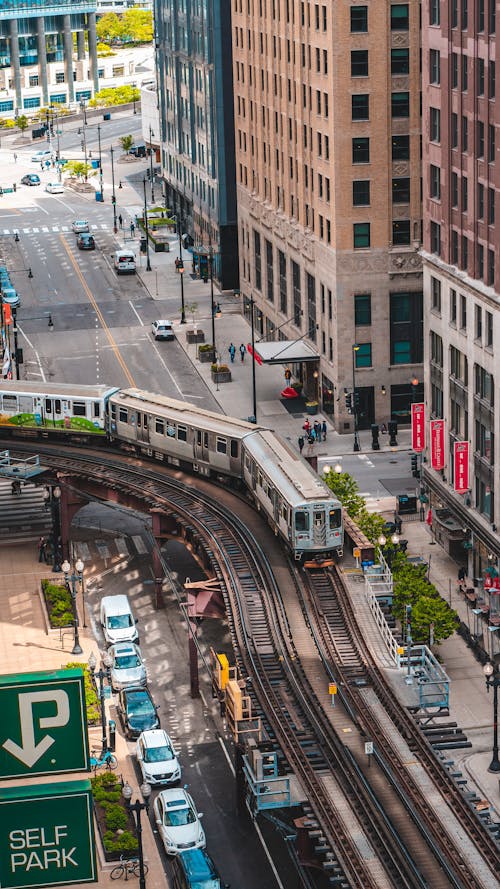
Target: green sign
47	835
43	729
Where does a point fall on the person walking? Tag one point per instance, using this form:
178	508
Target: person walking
324	429
307	427
15	158
301	442
120	220
242	351
232	352
132	229
41	549
317	430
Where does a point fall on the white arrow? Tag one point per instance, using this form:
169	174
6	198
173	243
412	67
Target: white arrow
28	752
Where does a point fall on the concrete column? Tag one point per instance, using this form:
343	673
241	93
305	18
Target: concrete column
92	36
68	56
42	58
80	45
15	63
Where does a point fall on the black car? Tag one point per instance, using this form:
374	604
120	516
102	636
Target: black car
30	179
85	241
137	711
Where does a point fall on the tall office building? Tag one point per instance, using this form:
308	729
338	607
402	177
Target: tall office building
39	64
462	263
194	63
327	119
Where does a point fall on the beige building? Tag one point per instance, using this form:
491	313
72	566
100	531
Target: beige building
327	122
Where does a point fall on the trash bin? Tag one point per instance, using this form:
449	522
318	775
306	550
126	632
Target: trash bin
95	164
406	505
98	196
107	116
143	247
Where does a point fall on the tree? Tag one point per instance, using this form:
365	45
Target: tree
432	610
109	27
347	490
412	588
120	95
22	123
126	143
138	25
78	169
371	524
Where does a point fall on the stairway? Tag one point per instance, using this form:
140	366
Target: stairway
24	516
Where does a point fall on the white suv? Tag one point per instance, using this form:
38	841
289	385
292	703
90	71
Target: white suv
157	758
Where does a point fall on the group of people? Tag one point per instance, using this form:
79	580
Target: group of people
50	555
232	351
313	433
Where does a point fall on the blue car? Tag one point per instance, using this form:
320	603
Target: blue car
137	711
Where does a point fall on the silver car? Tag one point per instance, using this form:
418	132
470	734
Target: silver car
127	666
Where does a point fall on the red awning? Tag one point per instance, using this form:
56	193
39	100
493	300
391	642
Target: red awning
258	359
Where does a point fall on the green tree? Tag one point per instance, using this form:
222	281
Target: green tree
138	25
22	123
109	27
347	490
372	524
120	95
78	169
430	610
126	143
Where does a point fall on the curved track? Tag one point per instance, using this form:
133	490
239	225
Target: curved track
326	768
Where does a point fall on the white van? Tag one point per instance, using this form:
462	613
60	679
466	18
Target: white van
117	621
125	262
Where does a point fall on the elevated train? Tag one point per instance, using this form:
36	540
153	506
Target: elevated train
300	508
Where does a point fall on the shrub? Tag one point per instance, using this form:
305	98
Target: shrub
91	699
206	347
59	603
112	814
116	817
220	368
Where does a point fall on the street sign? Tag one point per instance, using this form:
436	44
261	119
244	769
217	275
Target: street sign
47	835
43	729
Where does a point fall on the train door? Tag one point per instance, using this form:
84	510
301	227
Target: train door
53	410
201	451
319	528
142	427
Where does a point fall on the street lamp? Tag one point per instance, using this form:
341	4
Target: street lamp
101	675
52	496
138	808
148	261
101	184
151	175
133	96
254	389
492	677
183	308
356	446
73	579
113	195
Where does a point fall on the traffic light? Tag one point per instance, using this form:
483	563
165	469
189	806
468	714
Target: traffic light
414	466
356	399
348	402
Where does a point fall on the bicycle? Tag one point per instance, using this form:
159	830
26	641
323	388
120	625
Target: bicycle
127	866
108	760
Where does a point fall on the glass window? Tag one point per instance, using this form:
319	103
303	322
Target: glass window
360	103
79	409
435	238
361	193
359	63
436	294
362	309
399	17
400	104
58	99
465	74
361	234
7	105
401	190
363	355
406	327
400	61
221	445
401	148
435	66
401	353
182	433
401	232
480	138
434	12
123	415
33	102
491	143
359	19
361	150
301	521
159	426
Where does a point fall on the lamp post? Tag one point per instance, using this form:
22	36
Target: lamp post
138	808
148	261
71	581
254	388
14	331
356	446
183	307
113	195
101	675
52	497
151	173
409	677
101	184
84	133
492	677
133	96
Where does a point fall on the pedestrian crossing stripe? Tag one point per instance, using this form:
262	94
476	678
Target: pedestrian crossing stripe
45	229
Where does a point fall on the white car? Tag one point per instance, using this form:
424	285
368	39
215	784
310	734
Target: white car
127	665
55	188
157	758
44	154
178	821
163	330
80	225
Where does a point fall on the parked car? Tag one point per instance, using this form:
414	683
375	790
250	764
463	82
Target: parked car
178	821
194	869
127	666
80	225
137	711
10	296
85	241
30	179
139	150
54	188
44	154
157	758
163	330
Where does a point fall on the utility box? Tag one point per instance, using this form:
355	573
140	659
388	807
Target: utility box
406	504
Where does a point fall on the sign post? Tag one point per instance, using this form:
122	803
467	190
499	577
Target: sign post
332	691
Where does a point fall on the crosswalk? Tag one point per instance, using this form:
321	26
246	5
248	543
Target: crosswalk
48	229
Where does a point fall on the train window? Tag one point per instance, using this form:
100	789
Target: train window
205	439
284	512
79	409
57	406
139	419
182	433
221	445
113	411
301	521
159	426
123	415
48	405
248	463
145	422
259	479
97	409
170	429
234	448
335	518
198	437
9	403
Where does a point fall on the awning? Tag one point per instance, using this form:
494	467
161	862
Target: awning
284	352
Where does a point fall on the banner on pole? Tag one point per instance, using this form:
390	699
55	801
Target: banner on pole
461	454
437	444
418	427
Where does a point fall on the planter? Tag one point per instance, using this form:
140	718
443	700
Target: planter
206	356
195	336
57	606
221	376
115	823
312	407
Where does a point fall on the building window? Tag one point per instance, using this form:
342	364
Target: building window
480	201
258	260
454	130
480	77
492	79
311	307
32	102
489	330
361	150
491	206
434	12
7	105
480	261
283	289
363	355
492	17
401	190
436	349
480	16
491	267
399	17
480	138
60	77
359	19
434	182
270	271
436	295
465	194
453	307
454	246
297	296
361	235
478	322
401	148
491	143
463	312
454	70
58	99
483	384
454	189
360	104
465	13
359	63
401	233
33	79
436	238
435	66
406	327
465	133
400	103
435	125
465	74
362	309
361	193
400	61
465	253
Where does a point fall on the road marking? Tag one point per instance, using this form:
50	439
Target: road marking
141	322
174	381
99	314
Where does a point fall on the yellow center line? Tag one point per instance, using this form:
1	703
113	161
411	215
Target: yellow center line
98	312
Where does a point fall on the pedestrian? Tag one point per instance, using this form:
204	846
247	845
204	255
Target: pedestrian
242	353
232	352
324	429
15	158
307	427
132	229
41	166
461	579
41	549
120	184
301	442
398	523
310	442
317	430
120	220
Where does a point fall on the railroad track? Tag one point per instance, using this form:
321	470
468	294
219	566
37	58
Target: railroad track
294	717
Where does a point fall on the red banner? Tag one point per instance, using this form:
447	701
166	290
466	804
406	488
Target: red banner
418	427
461	453
437	444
